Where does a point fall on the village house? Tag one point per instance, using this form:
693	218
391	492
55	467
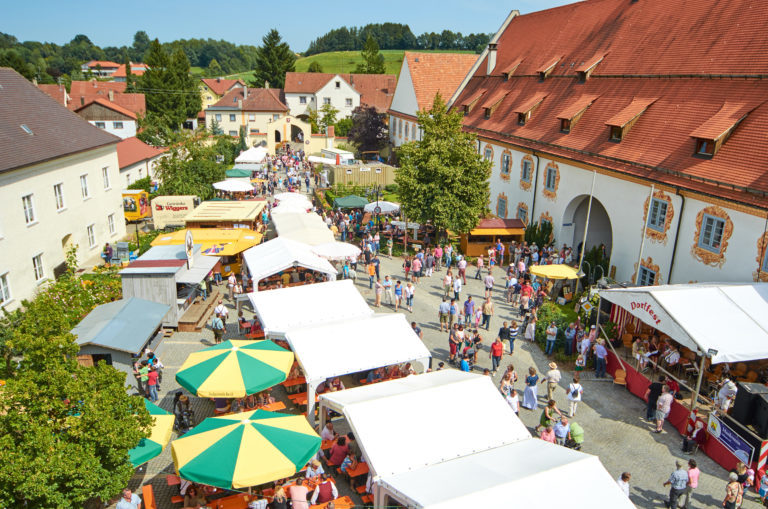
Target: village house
100	68
137	160
307	91
58	185
632	136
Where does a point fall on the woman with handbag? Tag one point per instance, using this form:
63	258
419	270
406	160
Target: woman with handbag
574	394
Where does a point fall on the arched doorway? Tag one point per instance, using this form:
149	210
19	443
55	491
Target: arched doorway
278	136
574	220
297	134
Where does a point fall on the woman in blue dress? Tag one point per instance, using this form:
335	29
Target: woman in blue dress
530	398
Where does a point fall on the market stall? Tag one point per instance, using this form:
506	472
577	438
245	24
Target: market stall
226	214
366	343
308	228
310	305
252	159
488	232
269	261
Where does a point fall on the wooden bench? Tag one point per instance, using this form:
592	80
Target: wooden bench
339	503
367	499
291	382
148	494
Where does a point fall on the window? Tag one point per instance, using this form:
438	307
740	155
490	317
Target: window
105	176
208	97
117	125
233	133
406	130
551	181
657	215
232	117
565	125
616	133
302	99
84	187
276	116
37	265
505	164
58	193
326	100
141	173
100	125
252	117
527	167
705	147
348	102
522	214
400	127
646	277
765	261
501	207
91	236
5	290
545	221
488	154
111	224
338	84
711	236
218	117
521	118
128	179
29	209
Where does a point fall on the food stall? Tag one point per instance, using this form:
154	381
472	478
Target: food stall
282	263
226	214
490	230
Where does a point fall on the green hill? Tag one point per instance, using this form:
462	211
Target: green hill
346	61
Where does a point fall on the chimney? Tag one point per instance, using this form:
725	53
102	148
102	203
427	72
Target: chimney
266	84
82	100
218	80
240	103
111	94
491	58
245	92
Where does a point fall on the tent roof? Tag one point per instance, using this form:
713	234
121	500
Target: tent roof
303	306
279	254
253	155
123	325
350	202
738	329
367	343
523	470
441	407
303	227
238	173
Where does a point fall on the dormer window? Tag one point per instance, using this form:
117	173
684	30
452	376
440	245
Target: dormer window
616	133
493	102
705	147
526	109
470	103
547	68
585	69
565	125
572	114
509	71
522	118
713	133
622	122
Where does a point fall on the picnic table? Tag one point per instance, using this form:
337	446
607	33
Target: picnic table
339	503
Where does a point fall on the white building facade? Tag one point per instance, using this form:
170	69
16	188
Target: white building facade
311	91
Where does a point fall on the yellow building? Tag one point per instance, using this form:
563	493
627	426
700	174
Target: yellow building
213	89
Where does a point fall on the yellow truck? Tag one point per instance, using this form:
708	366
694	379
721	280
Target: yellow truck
136	205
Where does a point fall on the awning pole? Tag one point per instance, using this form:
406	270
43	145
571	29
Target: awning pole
586	224
642	238
695	395
607	339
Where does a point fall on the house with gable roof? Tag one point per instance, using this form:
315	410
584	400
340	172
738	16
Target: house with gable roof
307	91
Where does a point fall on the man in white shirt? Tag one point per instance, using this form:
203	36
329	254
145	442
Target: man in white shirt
231	282
129	500
325	491
623	482
488	281
222	311
456	288
387	284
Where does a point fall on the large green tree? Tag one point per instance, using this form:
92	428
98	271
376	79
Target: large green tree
191	167
273	59
369	130
373	60
442	178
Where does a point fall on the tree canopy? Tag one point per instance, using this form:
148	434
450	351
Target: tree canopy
369	131
315	67
273	59
373	61
65	429
442	178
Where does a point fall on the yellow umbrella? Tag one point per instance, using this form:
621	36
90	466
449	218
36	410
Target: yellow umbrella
158	438
557	271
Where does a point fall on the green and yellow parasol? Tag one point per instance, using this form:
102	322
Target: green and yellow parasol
246	449
235	369
160	435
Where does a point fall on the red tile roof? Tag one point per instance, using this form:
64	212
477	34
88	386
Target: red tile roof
132	150
105	64
632	110
83	92
577	107
58	92
112	106
375	89
259	99
220	86
728	116
693	58
437	72
137	69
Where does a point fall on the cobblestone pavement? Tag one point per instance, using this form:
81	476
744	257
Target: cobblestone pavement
611	417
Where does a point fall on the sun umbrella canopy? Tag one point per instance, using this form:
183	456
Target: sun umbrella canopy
238	173
159	436
245	449
235	369
557	271
234	186
350	202
385	207
336	250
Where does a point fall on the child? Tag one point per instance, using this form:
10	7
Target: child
349	462
580	363
763	487
478	317
513	400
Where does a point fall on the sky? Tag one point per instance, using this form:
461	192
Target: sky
113	23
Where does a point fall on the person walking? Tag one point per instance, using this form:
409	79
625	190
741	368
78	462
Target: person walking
231	282
488	281
530	400
217	325
652	397
152	377
480	264
693	482
487	310
222	311
462	265
447	283
601	354
677	482
514	330
457	288
497	351
734	492
398	295
552	378
443	314
468	311
663	407
453	313
409	291
551	338
575	391
371	275
379	290
387	284
505	335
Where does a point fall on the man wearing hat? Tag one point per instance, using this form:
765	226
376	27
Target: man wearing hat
726	395
552	378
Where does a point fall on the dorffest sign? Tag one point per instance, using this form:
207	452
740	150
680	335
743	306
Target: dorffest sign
648	308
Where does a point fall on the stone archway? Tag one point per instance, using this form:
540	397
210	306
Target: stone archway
278	136
574	220
297	134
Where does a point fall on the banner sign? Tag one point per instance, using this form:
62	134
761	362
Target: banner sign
730	439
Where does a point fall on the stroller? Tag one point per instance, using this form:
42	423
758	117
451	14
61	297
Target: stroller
185	416
577	437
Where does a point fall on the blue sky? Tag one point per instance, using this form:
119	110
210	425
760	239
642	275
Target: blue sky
113	23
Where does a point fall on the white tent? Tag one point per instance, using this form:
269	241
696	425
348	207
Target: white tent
303	227
461	445
291	207
385	207
285	197
234	185
367	343
304	306
729	318
529	473
254	155
321	160
279	254
336	250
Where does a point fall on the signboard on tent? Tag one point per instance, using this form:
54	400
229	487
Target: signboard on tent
189	247
730	439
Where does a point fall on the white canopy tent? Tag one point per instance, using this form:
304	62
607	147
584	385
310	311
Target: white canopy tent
303	227
737	330
279	254
385	207
368	343
234	185
427	461
254	155
285	197
523	473
285	309
321	160
336	250
291	207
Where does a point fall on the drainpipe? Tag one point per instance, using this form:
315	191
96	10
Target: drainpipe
535	187
586	224
762	252
642	237
677	234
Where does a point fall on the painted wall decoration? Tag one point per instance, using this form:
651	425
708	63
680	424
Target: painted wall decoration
550	192
715	254
761	274
525	184
502	203
522	212
654	234
650	265
505	164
